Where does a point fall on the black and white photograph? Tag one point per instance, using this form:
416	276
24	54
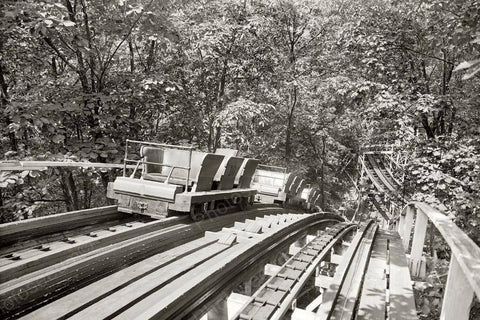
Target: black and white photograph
240	159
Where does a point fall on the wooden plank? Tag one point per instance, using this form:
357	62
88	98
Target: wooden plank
106	260
421	223
106	286
372	301
350	291
379	173
455	305
333	290
402	303
407	228
463	248
33	260
176	297
374	180
60	219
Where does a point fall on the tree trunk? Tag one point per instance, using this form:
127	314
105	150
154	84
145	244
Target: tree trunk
132	56
72	188
288	148
151	56
220	101
428	129
322	174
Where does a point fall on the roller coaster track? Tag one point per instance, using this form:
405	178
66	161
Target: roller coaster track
53	268
275	297
174	273
188	273
384	181
103	264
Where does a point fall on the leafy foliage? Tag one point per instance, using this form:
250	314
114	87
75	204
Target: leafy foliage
300	83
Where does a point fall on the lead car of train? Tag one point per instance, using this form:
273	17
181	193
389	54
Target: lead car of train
159	179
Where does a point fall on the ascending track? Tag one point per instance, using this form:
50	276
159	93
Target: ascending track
381	178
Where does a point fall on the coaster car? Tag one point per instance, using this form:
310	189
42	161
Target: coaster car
176	179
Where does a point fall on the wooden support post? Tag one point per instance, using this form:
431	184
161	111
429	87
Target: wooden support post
401	223
248	287
407	228
417	261
322	281
458	296
235	301
219	311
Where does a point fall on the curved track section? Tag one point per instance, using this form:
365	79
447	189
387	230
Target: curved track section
61	270
174	283
381	178
249	242
275	298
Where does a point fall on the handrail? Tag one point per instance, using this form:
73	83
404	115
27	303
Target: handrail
141	161
164	145
43	165
160	144
274	167
464	269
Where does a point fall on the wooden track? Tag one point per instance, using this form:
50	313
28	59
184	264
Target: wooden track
188	272
20	231
275	297
72	269
182	296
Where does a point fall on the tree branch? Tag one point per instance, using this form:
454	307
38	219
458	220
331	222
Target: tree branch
423	54
109	59
59	54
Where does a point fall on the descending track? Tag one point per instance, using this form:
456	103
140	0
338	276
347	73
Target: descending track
274	299
53	273
104	264
207	263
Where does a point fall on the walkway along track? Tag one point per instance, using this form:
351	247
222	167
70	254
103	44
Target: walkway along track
371	281
340	300
68	267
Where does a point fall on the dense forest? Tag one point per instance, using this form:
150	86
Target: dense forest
302	84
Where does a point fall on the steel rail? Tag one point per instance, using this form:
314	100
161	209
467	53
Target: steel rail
386	175
32	259
349	294
227	285
370	175
26	229
390	174
380	175
70	235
